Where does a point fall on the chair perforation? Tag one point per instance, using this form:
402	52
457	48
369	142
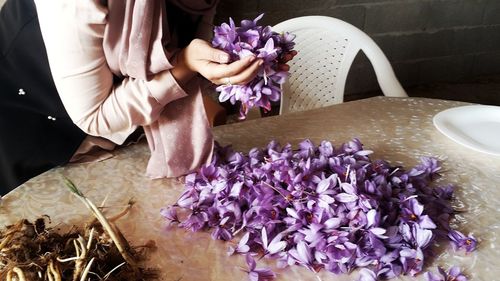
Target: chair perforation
322	50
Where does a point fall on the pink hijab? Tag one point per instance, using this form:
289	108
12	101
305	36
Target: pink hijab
180	140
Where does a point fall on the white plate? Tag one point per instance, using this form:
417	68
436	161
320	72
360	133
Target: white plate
474	126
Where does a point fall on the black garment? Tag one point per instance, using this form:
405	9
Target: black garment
181	24
36	133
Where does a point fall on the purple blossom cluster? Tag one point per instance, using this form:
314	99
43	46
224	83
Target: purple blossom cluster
251	39
322	207
453	274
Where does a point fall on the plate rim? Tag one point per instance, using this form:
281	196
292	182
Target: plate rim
437	120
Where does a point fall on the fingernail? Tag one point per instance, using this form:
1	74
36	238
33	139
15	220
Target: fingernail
261	62
251	58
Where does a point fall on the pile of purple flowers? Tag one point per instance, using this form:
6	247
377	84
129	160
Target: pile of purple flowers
321	207
247	40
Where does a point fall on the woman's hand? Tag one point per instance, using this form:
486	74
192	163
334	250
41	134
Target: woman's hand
213	64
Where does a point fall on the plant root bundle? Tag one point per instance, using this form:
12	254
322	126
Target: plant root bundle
32	251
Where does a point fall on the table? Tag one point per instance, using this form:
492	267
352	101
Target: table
399	130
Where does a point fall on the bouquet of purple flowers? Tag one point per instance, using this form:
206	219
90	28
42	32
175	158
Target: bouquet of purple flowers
260	41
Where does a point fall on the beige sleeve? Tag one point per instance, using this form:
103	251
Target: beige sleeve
73	35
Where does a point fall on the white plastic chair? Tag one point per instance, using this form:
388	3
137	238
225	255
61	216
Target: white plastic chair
326	49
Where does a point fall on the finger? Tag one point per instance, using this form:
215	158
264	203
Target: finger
219	56
248	74
284	67
206	52
220	71
287	57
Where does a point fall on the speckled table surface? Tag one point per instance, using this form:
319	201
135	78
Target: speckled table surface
399	130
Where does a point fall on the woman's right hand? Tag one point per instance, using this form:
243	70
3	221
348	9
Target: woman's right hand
213	64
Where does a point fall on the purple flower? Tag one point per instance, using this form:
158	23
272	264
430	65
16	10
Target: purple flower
460	241
195	221
258	274
274	246
366	274
247	40
324	191
352	146
430	165
415	235
242	246
372	218
349	195
321	207
286	40
268	53
221	233
313	234
170	214
390	267
454	274
224	35
188	198
370	248
412	260
444	192
302	254
249	24
326	149
412	212
424	172
306	148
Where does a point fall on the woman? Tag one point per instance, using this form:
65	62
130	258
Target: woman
80	75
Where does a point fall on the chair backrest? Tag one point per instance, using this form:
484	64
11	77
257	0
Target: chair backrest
326	49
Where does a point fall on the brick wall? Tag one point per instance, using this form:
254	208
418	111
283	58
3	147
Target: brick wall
426	40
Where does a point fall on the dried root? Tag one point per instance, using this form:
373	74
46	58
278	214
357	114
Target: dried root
114	233
96	251
19	274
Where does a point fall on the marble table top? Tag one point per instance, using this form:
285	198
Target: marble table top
399	130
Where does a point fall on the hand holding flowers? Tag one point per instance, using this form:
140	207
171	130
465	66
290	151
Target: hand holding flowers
213	64
251	39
